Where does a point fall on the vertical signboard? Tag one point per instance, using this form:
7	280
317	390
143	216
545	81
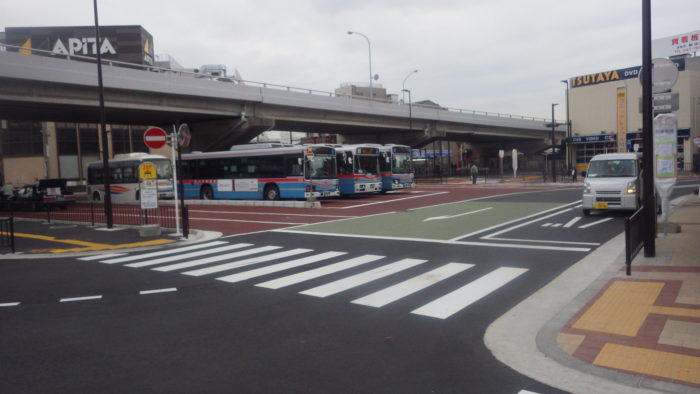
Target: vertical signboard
621	119
665	154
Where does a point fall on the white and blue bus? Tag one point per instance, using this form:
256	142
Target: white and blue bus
261	171
125	182
358	169
396	167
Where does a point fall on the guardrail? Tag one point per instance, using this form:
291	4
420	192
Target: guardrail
265	85
633	237
7	233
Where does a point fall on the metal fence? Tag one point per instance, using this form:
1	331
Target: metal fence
634	241
93	213
7	233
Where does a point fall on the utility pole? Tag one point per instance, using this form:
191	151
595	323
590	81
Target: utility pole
649	214
554	161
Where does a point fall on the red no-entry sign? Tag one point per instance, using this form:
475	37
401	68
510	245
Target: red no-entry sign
155	137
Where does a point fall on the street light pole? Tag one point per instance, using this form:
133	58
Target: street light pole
369	47
569	153
403	85
554	161
649	213
103	128
410	114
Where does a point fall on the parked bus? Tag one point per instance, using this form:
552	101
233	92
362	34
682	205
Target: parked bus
261	171
125	182
358	169
396	167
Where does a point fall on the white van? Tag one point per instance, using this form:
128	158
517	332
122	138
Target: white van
612	182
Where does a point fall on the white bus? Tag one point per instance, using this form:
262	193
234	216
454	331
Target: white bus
125	182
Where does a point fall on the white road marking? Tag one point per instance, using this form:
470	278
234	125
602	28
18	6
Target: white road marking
101	256
156	291
594	223
512	221
318	272
546	224
279	267
545	241
207	260
556	225
455	216
9	304
268	213
161	253
95	297
246	262
362	278
440	241
572	221
246	221
448	305
388	201
187	255
526	223
413	285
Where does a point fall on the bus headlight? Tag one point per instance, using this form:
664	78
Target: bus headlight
632	187
586	188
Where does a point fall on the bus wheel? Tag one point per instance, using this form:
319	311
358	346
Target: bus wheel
206	193
95	196
271	192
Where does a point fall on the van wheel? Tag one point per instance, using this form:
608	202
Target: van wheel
586	212
271	192
206	193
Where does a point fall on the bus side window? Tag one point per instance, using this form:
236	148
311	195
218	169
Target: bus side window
129	175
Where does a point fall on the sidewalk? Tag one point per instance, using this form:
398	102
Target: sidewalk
605	332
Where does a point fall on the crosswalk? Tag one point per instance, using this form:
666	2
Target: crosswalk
276	267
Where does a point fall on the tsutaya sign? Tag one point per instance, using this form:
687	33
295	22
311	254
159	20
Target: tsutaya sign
82	46
614	75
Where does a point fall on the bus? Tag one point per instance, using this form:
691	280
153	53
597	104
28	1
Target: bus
125	182
396	167
358	169
261	171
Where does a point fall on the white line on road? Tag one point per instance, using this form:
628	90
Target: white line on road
594	223
161	253
572	221
95	297
526	223
455	216
362	278
279	267
512	221
448	305
101	256
388	201
546	224
9	304
246	221
556	225
246	262
318	272
187	255
545	241
267	213
156	291
413	285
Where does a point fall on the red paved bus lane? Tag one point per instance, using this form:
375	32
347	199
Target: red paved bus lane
235	219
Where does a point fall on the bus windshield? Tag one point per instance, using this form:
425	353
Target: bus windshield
320	167
163	168
401	163
366	164
611	169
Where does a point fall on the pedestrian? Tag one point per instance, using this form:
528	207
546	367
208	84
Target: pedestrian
474	170
573	175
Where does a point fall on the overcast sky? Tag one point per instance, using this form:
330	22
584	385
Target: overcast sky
505	56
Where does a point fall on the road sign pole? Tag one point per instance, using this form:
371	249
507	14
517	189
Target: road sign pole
649	226
174	141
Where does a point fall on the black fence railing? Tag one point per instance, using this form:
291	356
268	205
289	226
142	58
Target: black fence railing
93	213
634	240
7	233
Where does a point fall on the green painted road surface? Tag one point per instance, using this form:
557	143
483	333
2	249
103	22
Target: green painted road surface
441	222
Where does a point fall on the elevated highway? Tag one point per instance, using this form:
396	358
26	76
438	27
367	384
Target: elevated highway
223	112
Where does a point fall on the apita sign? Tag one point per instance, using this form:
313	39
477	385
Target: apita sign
83	46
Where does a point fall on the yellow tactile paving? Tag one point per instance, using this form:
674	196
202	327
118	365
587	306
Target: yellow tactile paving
650	362
622	309
671	311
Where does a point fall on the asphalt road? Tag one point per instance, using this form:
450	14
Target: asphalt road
295	311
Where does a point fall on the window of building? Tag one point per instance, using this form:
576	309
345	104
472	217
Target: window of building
22	139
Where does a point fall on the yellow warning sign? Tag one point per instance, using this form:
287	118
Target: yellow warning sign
147	171
26	47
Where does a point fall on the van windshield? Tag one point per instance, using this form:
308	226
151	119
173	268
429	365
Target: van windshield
612	169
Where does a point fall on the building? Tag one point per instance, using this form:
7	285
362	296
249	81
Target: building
359	90
605	112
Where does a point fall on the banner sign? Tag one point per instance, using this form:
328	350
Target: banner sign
621	118
676	45
614	75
